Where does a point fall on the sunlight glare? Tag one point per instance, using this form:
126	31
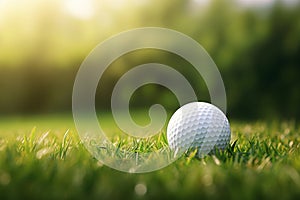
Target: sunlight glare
82	9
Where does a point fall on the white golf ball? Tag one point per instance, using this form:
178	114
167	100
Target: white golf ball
198	125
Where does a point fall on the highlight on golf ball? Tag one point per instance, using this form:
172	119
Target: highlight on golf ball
198	125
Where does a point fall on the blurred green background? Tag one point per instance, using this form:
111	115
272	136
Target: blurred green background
255	44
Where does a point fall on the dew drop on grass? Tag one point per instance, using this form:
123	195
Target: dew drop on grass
140	189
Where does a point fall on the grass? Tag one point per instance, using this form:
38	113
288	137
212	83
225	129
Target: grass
262	162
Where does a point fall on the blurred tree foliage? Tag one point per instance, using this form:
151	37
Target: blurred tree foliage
257	52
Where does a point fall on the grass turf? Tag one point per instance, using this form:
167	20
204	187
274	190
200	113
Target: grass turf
262	162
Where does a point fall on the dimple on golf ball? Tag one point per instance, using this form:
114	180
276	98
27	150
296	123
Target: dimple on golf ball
198	125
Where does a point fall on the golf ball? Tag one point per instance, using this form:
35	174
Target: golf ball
198	125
